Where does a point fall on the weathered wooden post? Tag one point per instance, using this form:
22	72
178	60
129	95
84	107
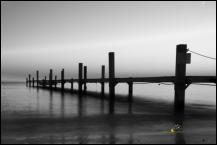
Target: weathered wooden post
182	57
50	78
55	84
37	75
103	83
111	82
62	79
80	66
85	78
29	80
33	82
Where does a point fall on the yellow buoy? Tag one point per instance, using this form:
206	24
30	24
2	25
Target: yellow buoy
172	130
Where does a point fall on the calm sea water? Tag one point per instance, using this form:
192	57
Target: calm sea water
19	100
32	116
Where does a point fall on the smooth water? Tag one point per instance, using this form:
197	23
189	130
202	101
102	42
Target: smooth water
30	115
21	101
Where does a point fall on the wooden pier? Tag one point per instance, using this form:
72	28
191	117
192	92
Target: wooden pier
180	80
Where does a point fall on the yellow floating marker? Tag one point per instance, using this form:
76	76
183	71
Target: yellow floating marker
171	130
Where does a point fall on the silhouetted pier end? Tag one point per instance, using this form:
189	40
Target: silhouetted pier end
29	80
103	83
37	78
111	82
62	80
85	79
80	66
50	78
182	58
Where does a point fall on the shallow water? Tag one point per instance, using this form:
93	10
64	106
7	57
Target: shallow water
30	115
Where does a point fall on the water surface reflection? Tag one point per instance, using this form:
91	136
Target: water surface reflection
41	116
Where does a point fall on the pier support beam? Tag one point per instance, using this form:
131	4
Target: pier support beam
62	79
111	82
85	78
29	80
50	78
37	77
103	83
80	66
182	57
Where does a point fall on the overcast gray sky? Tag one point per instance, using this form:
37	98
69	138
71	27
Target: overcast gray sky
143	35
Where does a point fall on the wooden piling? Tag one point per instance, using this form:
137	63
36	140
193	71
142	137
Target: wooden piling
85	78
111	82
37	77
80	66
62	79
29	80
180	78
55	84
103	83
33	82
50	78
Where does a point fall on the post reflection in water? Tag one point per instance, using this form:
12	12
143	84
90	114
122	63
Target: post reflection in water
130	141
81	135
108	134
102	106
130	105
179	119
51	103
62	107
37	100
112	131
81	105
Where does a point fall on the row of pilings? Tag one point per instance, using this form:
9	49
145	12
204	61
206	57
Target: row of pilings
82	84
182	58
